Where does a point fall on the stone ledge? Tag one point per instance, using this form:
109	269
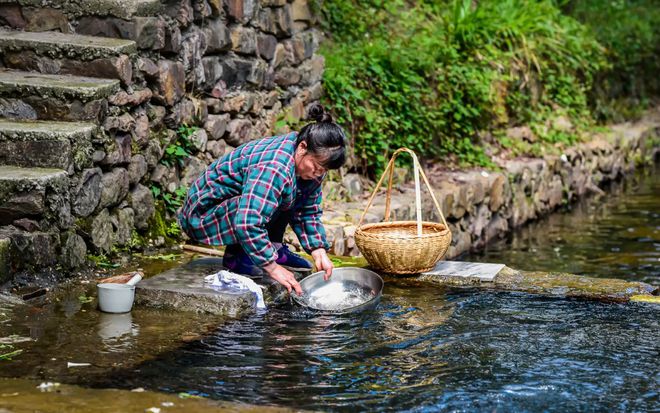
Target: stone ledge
57	44
119	8
183	289
45	144
17	83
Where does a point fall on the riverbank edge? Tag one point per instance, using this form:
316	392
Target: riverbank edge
482	205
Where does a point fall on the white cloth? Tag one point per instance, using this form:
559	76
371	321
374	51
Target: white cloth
229	280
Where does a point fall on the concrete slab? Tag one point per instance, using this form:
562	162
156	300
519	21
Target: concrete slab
183	289
466	270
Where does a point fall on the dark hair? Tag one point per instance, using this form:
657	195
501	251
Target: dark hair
324	138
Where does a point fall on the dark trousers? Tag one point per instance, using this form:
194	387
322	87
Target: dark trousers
276	228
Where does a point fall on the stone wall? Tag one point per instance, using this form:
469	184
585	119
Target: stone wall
233	68
481	205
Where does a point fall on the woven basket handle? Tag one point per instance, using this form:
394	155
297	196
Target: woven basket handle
417	169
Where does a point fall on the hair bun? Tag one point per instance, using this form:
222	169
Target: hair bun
317	112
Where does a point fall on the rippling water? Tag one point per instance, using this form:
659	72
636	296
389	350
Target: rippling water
433	349
614	236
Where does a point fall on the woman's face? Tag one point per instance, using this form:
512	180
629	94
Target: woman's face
308	166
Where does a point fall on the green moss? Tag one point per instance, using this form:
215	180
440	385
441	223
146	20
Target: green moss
5	245
160	225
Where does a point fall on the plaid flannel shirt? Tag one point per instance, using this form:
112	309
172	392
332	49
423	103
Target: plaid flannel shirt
238	194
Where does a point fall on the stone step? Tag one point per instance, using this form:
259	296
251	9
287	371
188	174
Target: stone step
17	83
56	44
25	250
46	144
29	95
32	193
70	54
124	9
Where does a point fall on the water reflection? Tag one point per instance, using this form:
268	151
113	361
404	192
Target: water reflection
615	236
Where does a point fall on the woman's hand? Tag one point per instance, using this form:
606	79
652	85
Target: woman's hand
283	276
323	262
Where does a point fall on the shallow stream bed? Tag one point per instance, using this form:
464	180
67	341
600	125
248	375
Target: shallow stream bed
424	348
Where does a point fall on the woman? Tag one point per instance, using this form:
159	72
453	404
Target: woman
245	200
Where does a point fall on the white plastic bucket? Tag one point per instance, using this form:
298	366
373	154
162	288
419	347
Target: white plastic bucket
115	298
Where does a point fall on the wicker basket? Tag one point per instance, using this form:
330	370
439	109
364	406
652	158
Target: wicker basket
403	247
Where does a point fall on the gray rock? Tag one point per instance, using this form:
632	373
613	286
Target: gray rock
101	231
141	128
201	9
216	126
218	37
193	46
193	170
213	69
181	11
149	32
142	202
11	14
287	76
46	19
183	289
159	174
498	193
87	193
241	10
275	21
172	39
74	251
148	67
156	115
124	123
21	204
137	169
171	82
257	75
16	109
235	71
27	250
480	221
216	148
279	56
199	138
27	224
266	45
183	112
153	153
239	130
123	224
114	187
119	151
312	70
135	98
243	39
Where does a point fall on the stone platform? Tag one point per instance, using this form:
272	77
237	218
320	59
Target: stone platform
183	288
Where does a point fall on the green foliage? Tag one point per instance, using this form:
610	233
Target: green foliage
102	261
630	32
431	75
85	299
7	352
175	155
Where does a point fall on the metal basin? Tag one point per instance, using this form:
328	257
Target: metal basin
349	290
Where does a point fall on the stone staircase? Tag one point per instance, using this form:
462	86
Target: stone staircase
54	90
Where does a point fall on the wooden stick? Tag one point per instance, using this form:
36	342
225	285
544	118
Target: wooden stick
202	250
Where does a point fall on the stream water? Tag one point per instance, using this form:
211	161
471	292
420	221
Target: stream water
425	348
